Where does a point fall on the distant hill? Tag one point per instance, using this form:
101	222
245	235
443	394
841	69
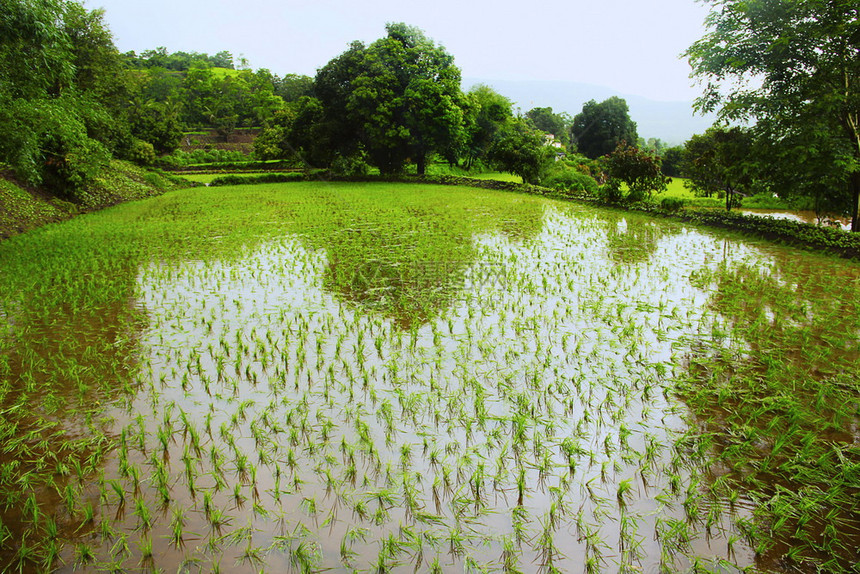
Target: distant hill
672	122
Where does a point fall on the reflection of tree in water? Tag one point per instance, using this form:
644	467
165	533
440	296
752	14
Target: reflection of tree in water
779	407
633	241
412	261
55	377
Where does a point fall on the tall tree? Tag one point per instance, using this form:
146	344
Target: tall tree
795	64
721	161
488	113
599	128
550	122
638	170
520	149
293	86
399	97
54	77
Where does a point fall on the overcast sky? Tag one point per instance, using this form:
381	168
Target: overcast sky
631	46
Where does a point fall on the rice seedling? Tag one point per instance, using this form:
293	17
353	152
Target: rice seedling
358	355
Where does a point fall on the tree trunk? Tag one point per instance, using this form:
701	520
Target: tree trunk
855	202
421	163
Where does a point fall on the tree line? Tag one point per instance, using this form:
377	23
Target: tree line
70	101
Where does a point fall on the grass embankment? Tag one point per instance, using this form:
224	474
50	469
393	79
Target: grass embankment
22	208
677	189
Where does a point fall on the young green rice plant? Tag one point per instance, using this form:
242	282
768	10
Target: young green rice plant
218	519
141	510
147	550
177	528
623	492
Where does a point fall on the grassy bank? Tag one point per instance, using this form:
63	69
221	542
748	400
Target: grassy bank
23	208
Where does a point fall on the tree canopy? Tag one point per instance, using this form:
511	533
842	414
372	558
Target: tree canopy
520	149
57	66
638	170
550	122
488	112
795	67
399	98
599	128
721	161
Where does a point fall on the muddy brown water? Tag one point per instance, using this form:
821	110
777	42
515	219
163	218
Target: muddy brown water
509	411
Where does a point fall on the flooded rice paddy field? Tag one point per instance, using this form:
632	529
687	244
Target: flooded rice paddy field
404	378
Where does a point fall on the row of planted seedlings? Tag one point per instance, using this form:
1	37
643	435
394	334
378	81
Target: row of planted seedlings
516	414
528	426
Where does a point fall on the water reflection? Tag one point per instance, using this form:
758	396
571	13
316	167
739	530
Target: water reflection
57	375
339	385
412	270
775	392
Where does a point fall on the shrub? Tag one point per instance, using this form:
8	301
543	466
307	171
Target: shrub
570	179
255	179
672	203
351	165
610	192
181	158
142	153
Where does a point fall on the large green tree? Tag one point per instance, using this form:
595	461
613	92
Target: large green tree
600	127
550	122
399	98
638	170
721	161
795	64
58	87
521	149
487	114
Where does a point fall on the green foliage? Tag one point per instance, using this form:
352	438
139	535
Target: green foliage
226	101
182	158
599	128
487	113
547	121
521	150
293	86
721	161
672	203
399	98
570	175
178	61
142	153
795	67
638	170
297	132
256	179
672	159
355	164
158	124
47	50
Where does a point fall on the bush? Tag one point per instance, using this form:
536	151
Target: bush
256	179
180	159
569	179
672	203
351	165
610	192
142	153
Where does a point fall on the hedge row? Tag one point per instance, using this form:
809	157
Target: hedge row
235	166
797	234
255	179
